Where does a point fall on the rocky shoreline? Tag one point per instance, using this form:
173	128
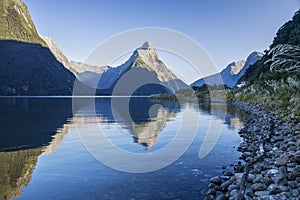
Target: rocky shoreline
270	160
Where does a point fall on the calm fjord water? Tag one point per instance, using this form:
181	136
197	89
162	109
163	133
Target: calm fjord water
42	157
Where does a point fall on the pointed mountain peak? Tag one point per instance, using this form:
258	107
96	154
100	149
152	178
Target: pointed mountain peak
147	45
256	53
145	54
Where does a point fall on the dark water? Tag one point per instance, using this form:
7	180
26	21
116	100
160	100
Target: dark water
42	155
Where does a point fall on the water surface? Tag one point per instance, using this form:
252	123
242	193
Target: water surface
42	156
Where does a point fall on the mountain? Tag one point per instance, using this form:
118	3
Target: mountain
77	68
57	52
142	74
31	69
80	68
288	34
16	23
274	80
231	74
27	65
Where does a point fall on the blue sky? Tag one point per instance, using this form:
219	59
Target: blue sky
229	30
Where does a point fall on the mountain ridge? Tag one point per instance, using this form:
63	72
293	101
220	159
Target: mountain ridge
231	74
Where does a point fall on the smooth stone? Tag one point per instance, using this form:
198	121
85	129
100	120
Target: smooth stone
283	171
251	178
238	176
296	157
218	188
258	186
212	185
262	193
272	171
249	192
257	168
232	187
292	148
297	168
283	188
211	192
274	189
238	168
247	154
216	180
292	165
221	197
234	193
228	173
226	178
295	193
249	160
225	185
293	184
210	197
282	160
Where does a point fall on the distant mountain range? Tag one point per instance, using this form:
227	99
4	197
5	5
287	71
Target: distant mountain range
75	67
231	74
35	65
142	74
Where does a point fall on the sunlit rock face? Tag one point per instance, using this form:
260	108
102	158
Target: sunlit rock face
237	67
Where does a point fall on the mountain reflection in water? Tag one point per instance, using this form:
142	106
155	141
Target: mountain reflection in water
31	127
